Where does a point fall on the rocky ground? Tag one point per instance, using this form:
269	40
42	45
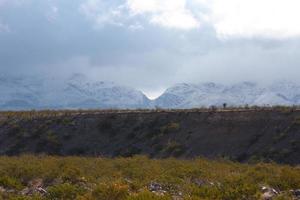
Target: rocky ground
36	189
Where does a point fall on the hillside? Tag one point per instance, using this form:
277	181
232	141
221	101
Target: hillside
79	92
240	135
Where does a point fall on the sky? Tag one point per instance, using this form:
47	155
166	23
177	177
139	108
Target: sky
152	44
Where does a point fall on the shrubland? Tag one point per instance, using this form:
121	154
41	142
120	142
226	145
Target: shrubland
141	178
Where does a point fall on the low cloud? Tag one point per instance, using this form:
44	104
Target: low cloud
277	19
104	12
231	18
167	13
151	44
52	14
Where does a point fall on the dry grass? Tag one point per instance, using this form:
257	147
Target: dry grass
128	179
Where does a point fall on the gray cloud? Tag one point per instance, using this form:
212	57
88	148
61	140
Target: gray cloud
59	38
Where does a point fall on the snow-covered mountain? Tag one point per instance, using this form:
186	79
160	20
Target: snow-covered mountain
211	94
79	92
76	92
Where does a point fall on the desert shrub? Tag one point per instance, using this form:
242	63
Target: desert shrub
286	179
153	135
64	191
51	138
70	174
3	123
15	130
66	136
49	143
129	178
146	195
237	188
232	190
116	191
174	148
77	151
256	158
20	197
105	125
205	192
131	151
279	137
67	122
131	136
171	127
158	148
284	196
24	172
10	183
297	121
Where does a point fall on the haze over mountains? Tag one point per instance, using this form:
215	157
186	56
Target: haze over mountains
18	93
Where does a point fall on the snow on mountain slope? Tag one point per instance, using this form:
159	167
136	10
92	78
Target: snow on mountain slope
242	93
189	95
19	92
76	92
211	94
79	92
288	90
271	98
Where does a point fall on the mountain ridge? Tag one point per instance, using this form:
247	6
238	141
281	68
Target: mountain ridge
244	93
77	92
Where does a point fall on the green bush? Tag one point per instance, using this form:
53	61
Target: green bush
10	183
116	191
20	197
146	195
64	191
71	174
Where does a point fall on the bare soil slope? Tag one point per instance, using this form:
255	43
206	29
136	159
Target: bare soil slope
241	135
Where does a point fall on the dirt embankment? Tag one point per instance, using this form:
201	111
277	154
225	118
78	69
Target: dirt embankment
238	135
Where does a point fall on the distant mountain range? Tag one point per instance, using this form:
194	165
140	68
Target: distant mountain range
19	93
244	93
73	93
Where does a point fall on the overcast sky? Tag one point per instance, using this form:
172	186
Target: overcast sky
152	44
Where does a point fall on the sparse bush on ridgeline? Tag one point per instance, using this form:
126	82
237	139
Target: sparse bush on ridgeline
33	114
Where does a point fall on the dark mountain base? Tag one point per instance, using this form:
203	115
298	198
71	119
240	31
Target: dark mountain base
240	135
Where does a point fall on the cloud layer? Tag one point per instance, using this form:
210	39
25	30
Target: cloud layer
230	18
152	44
260	18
